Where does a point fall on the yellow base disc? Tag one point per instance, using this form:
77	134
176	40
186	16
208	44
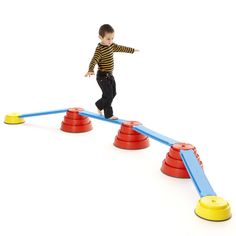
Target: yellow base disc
13	118
213	208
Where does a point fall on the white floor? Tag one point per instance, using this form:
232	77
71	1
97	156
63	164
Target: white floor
56	183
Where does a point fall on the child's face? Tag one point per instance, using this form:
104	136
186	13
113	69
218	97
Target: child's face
107	40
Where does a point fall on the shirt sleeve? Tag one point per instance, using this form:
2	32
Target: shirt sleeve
120	48
96	58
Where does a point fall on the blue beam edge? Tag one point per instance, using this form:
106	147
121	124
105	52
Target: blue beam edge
43	113
196	173
154	135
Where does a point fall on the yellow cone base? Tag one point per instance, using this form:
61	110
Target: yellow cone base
213	208
13	118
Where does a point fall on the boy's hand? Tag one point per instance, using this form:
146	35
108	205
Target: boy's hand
89	73
136	50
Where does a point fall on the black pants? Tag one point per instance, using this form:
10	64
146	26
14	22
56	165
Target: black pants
107	83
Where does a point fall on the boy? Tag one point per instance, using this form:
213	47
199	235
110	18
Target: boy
103	56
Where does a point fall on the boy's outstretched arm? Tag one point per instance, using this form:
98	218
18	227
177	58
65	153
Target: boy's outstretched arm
94	61
120	48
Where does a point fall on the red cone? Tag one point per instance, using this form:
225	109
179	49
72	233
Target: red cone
128	138
173	165
74	123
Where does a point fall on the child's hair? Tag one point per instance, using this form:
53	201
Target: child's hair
105	29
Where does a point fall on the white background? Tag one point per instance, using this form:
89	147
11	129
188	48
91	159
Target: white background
181	84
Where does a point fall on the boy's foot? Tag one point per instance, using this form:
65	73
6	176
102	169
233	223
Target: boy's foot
99	112
113	118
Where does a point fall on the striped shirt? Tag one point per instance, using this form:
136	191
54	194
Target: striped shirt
103	56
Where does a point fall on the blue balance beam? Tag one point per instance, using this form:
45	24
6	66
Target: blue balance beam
139	128
196	173
154	135
43	113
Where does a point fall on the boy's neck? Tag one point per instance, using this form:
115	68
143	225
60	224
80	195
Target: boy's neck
104	44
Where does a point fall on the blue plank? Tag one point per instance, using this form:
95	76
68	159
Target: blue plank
100	117
43	113
154	135
196	173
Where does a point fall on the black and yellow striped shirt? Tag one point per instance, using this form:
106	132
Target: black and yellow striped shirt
103	56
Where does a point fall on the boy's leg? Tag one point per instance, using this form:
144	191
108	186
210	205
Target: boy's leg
100	103
113	86
104	103
113	92
113	83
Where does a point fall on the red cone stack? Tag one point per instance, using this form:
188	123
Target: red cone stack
74	123
173	165
128	138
